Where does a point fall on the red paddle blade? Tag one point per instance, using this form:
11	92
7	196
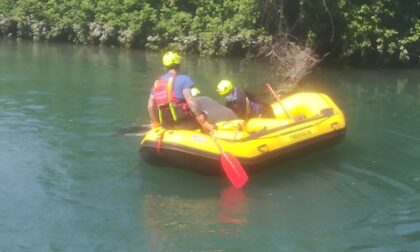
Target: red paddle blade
234	170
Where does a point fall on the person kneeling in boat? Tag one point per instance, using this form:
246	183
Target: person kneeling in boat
171	104
211	109
244	104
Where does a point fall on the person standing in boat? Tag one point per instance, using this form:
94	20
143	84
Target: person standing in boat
244	104
211	109
171	104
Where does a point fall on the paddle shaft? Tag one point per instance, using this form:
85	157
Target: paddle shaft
278	99
135	130
222	152
233	169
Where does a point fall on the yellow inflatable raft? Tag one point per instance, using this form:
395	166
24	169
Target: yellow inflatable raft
303	121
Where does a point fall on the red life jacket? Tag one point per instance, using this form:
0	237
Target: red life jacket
166	101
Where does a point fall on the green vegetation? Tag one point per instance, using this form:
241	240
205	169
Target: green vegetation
370	31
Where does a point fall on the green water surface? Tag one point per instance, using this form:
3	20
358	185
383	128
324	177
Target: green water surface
68	182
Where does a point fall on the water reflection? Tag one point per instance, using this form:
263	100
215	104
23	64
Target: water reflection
402	87
232	206
177	221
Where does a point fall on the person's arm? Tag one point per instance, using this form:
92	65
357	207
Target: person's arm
199	116
238	106
192	104
151	108
201	119
242	104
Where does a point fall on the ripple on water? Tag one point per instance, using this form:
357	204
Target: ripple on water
382	179
32	107
6	101
9	77
383	209
38	92
401	135
407	218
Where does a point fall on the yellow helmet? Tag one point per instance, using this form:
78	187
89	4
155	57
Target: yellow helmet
171	58
224	87
195	91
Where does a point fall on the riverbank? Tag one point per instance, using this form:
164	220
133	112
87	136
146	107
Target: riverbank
382	33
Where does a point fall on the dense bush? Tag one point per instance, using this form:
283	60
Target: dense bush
383	29
378	31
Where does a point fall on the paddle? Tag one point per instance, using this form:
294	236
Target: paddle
231	166
278	99
135	130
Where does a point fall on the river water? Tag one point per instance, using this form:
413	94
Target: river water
68	182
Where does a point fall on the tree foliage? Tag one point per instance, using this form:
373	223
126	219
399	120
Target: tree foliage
370	31
383	29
